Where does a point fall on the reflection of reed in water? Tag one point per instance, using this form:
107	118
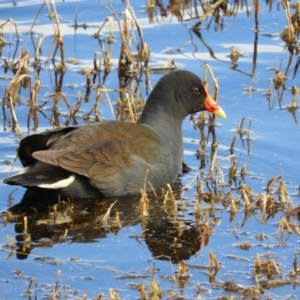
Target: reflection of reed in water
49	221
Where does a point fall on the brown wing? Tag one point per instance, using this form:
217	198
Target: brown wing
102	132
107	160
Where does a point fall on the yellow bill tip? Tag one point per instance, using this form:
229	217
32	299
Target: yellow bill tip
212	106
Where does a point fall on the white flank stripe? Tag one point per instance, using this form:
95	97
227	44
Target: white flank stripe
59	184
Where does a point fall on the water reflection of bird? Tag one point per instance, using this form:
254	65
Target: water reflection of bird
114	158
68	223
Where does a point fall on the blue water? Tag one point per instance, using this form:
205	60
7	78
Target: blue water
274	141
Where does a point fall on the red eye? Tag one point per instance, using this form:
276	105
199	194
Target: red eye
196	91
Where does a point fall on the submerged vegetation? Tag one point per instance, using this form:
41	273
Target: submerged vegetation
178	222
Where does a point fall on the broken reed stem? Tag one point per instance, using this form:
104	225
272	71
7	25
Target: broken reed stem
189	184
10	20
215	81
172	194
133	117
234	138
13	114
283	226
59	36
38	47
209	12
225	158
110	104
30	285
219	170
286	6
171	264
233	208
98	100
213	159
36	17
109	20
213	261
248	137
57	30
153	190
246	200
144	204
199	186
106	216
264	205
56	288
238	129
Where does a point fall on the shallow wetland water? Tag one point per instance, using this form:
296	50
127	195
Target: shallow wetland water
230	226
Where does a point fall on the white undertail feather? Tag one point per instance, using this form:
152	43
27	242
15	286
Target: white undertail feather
59	184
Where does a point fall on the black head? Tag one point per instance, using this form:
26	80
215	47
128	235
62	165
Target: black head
180	93
187	89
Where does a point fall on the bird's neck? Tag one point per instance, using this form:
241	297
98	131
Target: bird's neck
160	113
167	126
162	120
